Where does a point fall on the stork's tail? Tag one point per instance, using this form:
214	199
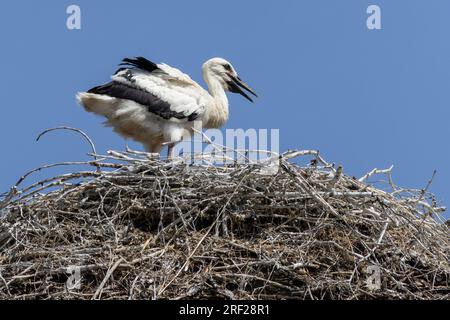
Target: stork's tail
96	103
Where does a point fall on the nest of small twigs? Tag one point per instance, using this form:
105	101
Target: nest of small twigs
139	228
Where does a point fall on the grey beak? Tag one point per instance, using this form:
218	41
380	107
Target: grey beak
235	86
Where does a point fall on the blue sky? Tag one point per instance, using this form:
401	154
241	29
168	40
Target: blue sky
364	98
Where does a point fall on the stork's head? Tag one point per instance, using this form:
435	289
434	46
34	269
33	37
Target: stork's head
227	76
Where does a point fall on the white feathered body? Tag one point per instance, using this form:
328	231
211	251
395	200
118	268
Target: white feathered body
185	98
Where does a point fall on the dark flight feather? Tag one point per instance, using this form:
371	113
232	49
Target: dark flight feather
153	103
140	63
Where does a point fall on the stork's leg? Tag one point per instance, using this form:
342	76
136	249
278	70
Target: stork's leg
170	150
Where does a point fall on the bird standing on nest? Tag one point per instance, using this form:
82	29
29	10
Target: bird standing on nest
156	104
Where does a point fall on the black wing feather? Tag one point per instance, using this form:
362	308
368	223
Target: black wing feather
141	63
153	103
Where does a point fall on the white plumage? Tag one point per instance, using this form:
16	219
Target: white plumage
156	104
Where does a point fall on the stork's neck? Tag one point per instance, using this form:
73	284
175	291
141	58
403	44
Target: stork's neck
217	112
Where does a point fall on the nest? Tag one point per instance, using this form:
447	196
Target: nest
134	227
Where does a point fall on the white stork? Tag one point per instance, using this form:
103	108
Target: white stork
156	104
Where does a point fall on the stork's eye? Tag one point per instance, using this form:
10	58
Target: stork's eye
227	67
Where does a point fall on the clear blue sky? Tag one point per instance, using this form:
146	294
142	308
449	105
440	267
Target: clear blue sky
364	98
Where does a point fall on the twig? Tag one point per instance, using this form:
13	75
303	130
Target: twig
98	292
85	136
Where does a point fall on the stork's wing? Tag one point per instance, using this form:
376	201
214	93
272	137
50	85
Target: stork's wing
165	91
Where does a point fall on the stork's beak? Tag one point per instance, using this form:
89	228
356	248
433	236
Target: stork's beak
236	84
